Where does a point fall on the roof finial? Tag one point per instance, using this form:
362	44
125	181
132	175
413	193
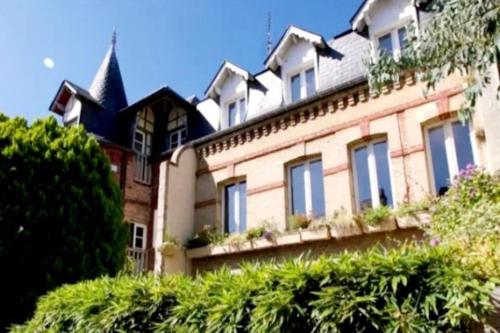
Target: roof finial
113	38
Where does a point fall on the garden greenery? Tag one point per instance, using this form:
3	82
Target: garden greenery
409	289
463	36
61	215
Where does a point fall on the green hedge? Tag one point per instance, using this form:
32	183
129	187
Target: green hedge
409	289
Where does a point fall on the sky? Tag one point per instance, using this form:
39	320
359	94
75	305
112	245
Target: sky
178	43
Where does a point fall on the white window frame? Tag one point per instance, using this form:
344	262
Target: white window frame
180	140
239	116
236	204
303	82
393	31
372	172
143	142
449	143
307	184
144	235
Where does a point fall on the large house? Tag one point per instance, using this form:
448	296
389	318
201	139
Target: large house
302	137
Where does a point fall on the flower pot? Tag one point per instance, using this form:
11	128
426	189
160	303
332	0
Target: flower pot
321	233
387	224
414	221
198	252
339	231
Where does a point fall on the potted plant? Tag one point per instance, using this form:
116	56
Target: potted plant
414	215
376	219
317	230
169	246
237	242
199	245
342	225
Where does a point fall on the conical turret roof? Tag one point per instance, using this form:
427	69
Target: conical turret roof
107	87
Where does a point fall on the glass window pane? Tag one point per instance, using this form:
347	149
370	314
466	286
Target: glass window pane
317	190
439	159
138	243
385	43
243	111
310	82
230	209
298	189
402	38
295	87
232	114
383	176
243	206
139	231
463	146
131	235
363	178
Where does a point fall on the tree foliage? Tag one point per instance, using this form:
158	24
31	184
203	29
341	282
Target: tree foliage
463	36
60	212
409	289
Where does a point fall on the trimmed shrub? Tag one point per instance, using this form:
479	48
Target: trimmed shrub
61	217
410	289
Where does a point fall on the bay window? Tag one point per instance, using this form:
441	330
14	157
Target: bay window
372	178
235	207
449	150
306	188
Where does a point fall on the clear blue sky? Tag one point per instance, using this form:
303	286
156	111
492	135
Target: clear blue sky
180	43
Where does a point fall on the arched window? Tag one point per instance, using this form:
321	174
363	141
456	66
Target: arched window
177	127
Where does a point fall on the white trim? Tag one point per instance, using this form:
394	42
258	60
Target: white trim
143	237
293	32
229	68
372	172
143	142
178	133
450	147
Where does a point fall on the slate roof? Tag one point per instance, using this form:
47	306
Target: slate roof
107	88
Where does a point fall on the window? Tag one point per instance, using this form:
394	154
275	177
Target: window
302	84
235	207
143	137
236	112
371	175
450	150
137	236
306	189
177	128
393	42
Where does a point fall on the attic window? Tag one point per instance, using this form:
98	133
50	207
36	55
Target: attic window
392	42
236	112
177	128
302	84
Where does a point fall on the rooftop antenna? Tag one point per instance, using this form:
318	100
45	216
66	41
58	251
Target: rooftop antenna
269	45
113	38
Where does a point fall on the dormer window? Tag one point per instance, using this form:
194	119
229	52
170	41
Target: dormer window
302	84
392	42
177	127
236	112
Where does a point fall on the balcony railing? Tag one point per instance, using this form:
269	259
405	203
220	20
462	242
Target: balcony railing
142	168
140	259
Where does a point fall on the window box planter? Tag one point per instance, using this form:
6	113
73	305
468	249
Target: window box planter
320	233
339	231
207	251
169	249
240	247
414	221
261	243
288	239
387	224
